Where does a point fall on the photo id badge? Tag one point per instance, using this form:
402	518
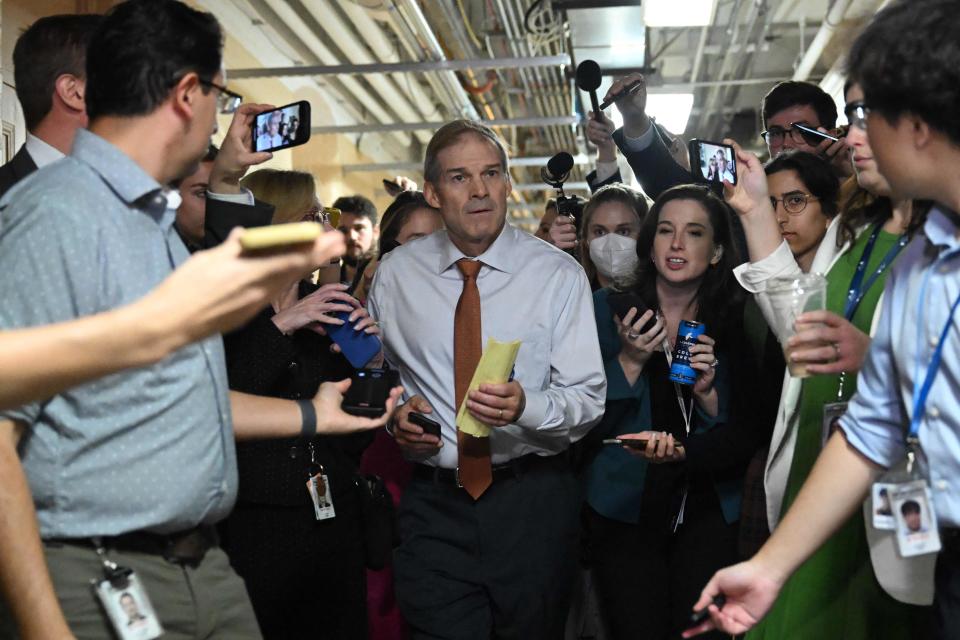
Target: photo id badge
128	607
916	520
881	506
318	486
832	411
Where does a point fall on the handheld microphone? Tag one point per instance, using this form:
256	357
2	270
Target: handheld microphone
588	79
557	169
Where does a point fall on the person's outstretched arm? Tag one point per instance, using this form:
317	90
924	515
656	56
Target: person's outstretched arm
214	291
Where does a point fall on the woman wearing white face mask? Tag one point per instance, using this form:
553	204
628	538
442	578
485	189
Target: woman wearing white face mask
610	226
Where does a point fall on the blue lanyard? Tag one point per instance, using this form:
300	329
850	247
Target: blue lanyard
858	288
921	392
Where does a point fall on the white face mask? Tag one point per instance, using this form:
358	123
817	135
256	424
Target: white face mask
614	255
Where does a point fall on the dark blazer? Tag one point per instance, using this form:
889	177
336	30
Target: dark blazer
594	184
263	361
16	170
655	168
222	217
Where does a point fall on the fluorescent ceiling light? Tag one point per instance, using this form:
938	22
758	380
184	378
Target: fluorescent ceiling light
673	13
672	110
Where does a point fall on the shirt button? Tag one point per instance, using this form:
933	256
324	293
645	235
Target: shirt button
934	342
934	413
941	485
944	268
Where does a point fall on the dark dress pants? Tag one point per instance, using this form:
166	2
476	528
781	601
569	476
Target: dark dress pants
648	578
306	578
501	567
946	603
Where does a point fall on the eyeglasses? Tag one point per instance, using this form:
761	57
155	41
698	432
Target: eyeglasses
775	135
324	215
227	101
793	203
857	113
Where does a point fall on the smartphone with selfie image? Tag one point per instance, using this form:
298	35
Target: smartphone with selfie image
712	162
282	128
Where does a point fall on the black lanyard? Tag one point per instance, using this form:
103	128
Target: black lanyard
858	288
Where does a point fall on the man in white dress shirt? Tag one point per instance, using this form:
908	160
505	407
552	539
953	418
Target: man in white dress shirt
49	62
489	526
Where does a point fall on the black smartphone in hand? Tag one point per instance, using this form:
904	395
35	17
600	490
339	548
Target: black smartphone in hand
368	392
429	426
628	442
621	303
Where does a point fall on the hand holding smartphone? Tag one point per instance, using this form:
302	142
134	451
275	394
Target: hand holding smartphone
712	162
429	426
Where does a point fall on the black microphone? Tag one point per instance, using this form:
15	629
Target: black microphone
589	78
558	167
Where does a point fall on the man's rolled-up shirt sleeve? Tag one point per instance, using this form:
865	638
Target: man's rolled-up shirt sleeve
876	420
573	402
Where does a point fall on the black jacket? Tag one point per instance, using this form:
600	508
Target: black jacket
263	361
19	167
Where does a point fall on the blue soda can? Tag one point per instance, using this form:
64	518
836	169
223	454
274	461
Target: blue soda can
687	334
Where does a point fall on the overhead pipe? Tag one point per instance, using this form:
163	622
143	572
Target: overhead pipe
334	26
290	18
544	121
822	39
399	67
414	17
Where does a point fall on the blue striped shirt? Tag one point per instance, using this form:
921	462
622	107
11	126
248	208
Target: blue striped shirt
150	448
920	290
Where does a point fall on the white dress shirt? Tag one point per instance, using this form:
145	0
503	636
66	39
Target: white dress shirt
41	152
529	291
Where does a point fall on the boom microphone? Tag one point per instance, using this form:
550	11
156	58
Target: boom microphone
558	167
588	79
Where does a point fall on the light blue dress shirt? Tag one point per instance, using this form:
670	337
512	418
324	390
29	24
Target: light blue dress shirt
150	448
921	287
529	291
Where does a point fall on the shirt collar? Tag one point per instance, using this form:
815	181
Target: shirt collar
124	176
501	255
941	229
42	153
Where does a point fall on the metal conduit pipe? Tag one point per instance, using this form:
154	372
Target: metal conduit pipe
821	40
732	31
553	105
383	52
536	96
408	40
330	21
414	17
310	40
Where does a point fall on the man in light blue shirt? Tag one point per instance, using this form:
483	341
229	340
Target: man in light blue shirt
141	461
488	525
906	62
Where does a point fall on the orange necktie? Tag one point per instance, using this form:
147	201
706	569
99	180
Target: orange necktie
473	454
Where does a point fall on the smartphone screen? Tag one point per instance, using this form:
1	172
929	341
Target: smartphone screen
281	128
712	162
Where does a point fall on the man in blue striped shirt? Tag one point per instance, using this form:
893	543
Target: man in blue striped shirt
141	462
906	61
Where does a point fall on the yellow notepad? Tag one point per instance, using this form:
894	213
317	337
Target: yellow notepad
494	368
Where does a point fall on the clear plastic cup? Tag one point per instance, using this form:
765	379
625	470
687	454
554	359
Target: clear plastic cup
789	298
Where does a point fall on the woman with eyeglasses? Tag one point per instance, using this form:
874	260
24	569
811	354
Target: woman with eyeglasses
836	592
804	192
305	575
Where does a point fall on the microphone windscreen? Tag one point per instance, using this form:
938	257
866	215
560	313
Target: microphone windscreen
560	164
588	76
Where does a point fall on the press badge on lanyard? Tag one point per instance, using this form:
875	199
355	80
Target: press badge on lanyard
318	486
905	493
125	600
832	411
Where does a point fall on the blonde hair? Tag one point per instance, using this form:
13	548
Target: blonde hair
292	193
